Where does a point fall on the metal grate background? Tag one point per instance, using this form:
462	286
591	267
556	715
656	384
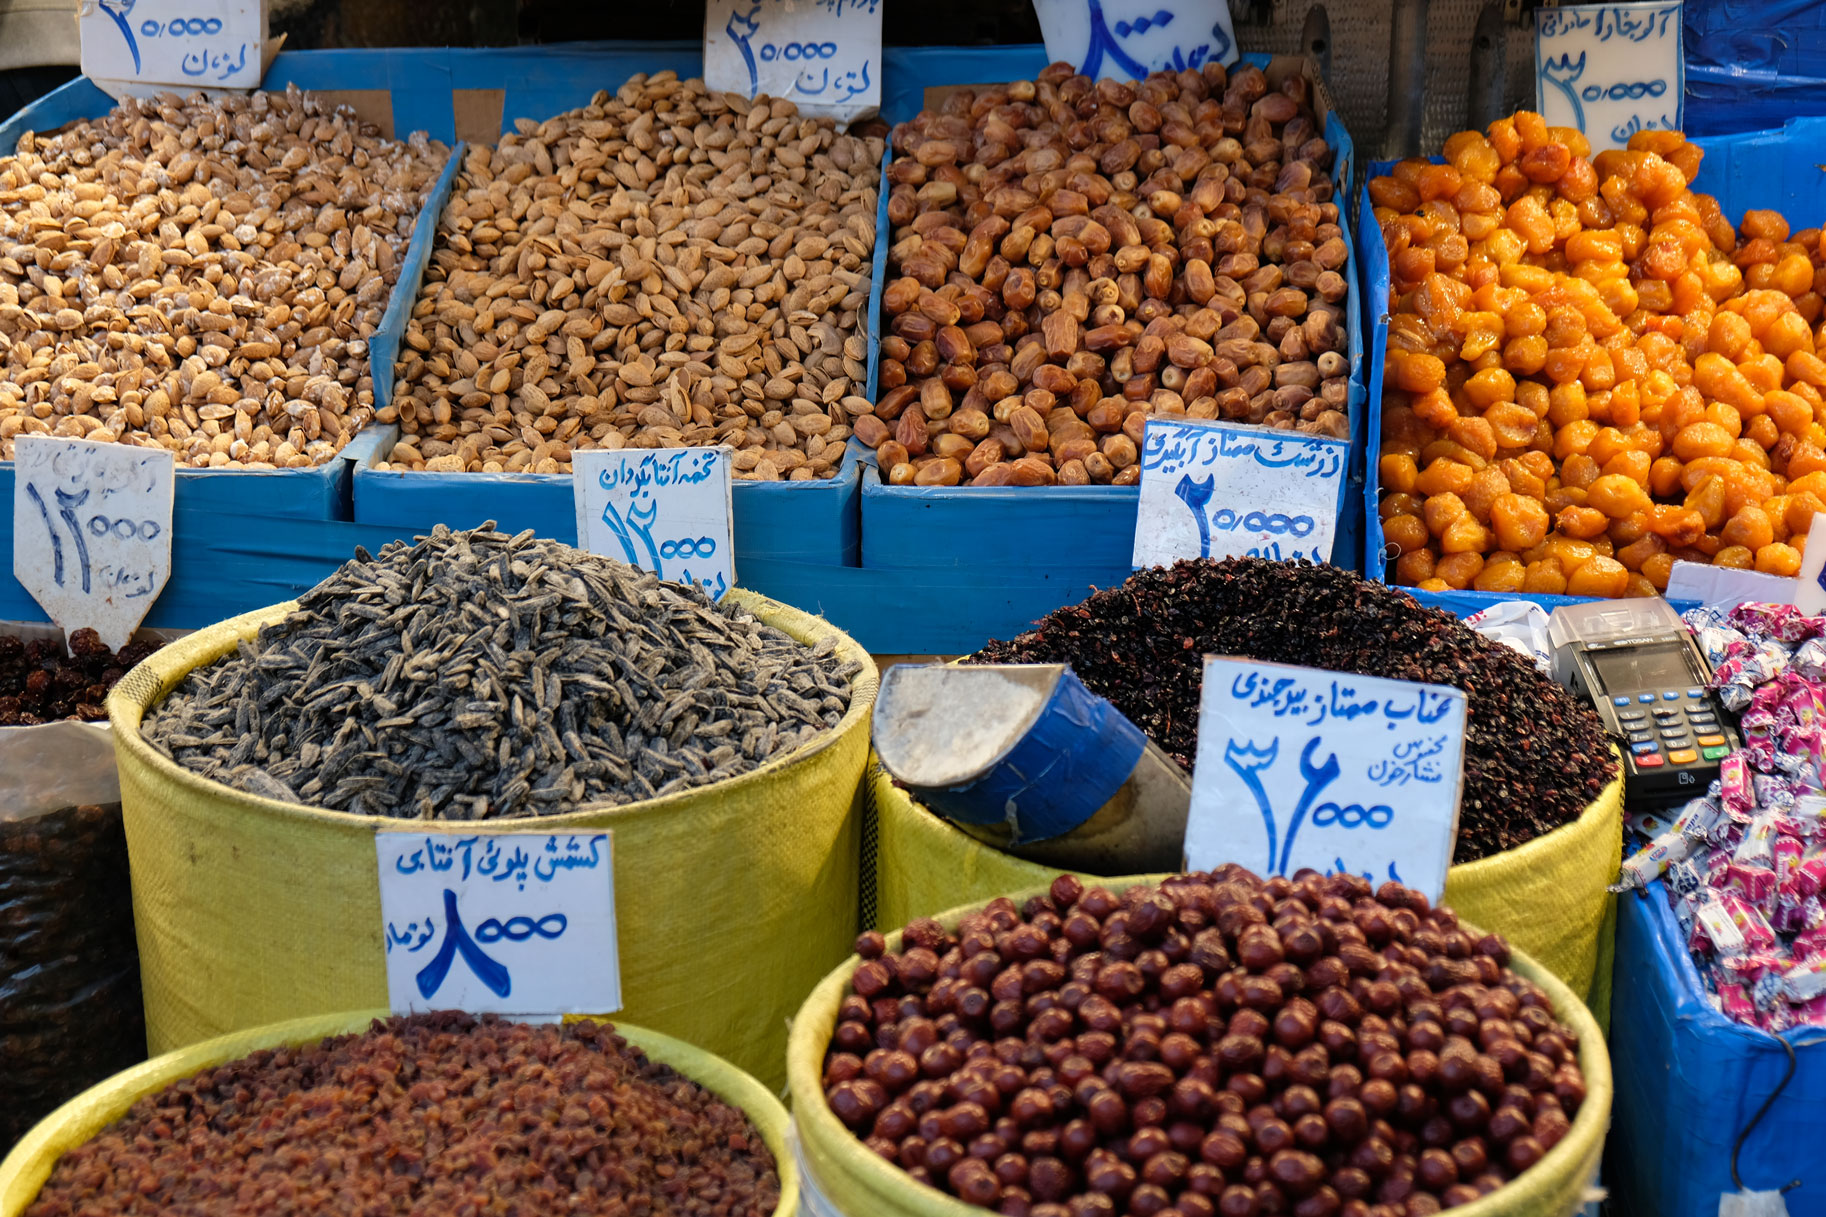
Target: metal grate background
1360	61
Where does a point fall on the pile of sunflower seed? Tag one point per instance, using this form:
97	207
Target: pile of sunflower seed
482	676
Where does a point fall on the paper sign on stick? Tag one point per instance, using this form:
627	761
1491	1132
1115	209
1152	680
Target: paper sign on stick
500	923
1299	767
667	510
822	55
1215	490
1610	70
183	44
92	531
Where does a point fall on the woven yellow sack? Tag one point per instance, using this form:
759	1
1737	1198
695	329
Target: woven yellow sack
731	900
1547	897
29	1164
842	1171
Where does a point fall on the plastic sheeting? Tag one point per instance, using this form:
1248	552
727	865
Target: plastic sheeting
1753	63
1689	1080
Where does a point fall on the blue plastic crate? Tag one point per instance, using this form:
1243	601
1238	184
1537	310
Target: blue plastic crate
1772	169
1689	1080
1074	531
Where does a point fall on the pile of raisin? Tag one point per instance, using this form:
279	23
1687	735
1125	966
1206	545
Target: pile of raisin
41	684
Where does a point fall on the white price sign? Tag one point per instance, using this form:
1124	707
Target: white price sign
822	55
204	44
92	531
1299	767
1216	490
1610	70
667	510
1810	585
500	923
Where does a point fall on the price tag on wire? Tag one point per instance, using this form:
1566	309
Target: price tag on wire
92	531
500	923
1215	490
1299	767
190	44
667	510
822	55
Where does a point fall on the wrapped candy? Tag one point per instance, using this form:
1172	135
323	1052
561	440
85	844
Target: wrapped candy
1809	659
1734	787
1780	621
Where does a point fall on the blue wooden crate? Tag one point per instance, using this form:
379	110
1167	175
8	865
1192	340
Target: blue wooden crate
1770	169
814	522
1078	532
323	492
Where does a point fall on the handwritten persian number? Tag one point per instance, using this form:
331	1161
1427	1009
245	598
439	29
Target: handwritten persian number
1632	91
1352	816
1275	524
182	27
519	929
685	547
794	51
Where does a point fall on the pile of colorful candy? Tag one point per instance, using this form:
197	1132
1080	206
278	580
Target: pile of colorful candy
1746	863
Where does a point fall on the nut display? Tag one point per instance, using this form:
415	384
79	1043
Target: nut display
203	276
1535	756
1071	256
1211	1045
476	675
39	683
70	1007
667	266
1591	375
438	1113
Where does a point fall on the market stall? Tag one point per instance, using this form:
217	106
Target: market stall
1138	625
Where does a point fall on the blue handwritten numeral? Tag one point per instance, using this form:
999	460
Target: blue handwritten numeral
489	971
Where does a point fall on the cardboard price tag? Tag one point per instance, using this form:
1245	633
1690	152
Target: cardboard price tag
92	531
1610	70
822	55
667	510
500	923
1299	767
1215	490
202	44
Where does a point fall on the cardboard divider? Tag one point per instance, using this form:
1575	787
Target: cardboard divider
1072	530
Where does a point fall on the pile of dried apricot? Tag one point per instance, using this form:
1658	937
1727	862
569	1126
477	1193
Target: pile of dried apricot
1591	375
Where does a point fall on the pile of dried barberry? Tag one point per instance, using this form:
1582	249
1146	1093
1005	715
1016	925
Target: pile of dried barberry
39	683
1535	756
1214	1045
434	1114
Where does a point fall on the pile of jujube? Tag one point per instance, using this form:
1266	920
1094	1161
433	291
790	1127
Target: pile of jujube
1212	1045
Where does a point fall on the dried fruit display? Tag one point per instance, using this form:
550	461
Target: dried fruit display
40	684
203	276
665	267
434	1114
1535	756
1591	374
1070	256
476	675
1209	1045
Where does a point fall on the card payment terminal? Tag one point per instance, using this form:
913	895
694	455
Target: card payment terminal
1646	677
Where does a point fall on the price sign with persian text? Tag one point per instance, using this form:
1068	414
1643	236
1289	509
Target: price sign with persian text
201	44
1610	70
824	56
92	531
667	510
500	923
1214	490
1300	767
